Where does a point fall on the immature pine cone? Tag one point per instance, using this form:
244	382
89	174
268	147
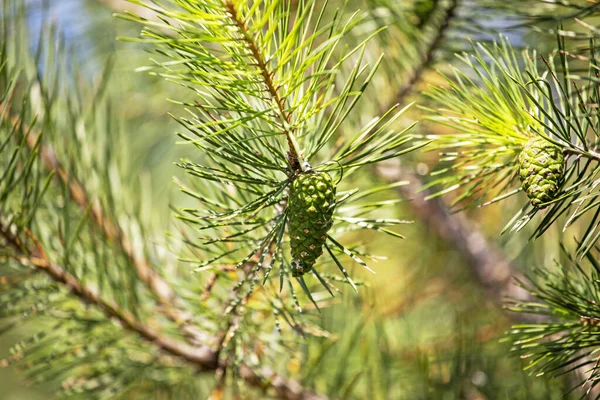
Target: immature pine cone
311	203
541	168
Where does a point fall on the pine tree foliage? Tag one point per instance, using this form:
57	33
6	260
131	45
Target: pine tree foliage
511	115
77	252
275	90
519	101
268	113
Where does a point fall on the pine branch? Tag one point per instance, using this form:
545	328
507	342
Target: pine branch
203	356
258	82
428	58
157	285
511	108
267	76
491	268
198	355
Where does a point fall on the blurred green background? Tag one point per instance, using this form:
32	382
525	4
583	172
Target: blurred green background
425	327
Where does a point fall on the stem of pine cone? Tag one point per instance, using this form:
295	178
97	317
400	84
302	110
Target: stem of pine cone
591	154
296	160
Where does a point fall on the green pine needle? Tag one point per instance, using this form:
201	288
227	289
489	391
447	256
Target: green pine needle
267	109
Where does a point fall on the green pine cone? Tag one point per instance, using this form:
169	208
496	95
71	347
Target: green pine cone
311	204
541	168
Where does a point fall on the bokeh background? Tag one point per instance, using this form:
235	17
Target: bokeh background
429	323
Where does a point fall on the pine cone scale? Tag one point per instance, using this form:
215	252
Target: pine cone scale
311	204
541	170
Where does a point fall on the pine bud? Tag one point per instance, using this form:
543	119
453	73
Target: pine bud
541	168
311	204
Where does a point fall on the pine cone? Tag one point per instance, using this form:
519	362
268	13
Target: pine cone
541	168
311	204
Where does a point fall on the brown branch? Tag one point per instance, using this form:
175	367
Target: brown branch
428	58
201	357
490	267
267	76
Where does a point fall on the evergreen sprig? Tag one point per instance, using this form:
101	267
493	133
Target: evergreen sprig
269	106
567	338
79	259
505	102
493	120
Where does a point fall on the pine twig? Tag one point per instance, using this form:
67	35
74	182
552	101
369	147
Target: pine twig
591	154
428	57
286	118
201	357
492	270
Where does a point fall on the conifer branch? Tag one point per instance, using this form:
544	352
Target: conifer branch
198	355
202	357
428	55
156	284
261	63
492	270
